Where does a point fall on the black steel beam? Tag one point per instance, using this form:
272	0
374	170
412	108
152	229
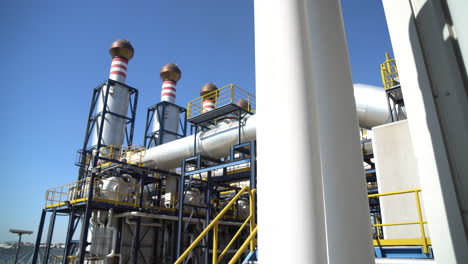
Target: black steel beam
50	233
39	236
70	232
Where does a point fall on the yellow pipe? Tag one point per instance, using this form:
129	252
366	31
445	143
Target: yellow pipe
244	246
403	223
252	213
215	244
392	193
400	242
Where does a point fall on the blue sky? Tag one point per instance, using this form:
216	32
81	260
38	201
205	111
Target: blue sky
55	52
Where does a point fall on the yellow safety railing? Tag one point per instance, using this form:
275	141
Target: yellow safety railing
117	192
72	192
92	260
423	241
229	94
250	220
389	72
137	152
133	154
53	259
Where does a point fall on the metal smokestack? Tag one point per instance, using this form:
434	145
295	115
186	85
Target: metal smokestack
121	51
113	130
208	97
169	114
170	74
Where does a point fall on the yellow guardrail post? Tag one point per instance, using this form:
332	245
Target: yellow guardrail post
232	92
423	240
215	244
252	218
382	74
421	223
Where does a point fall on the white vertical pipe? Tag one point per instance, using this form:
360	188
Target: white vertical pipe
445	222
349	238
283	57
114	127
171	113
118	71
170	74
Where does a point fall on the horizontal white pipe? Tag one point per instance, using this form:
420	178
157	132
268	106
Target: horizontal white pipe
216	142
213	143
173	218
371	105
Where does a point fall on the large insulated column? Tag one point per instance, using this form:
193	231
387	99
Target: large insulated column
434	86
295	155
113	129
289	173
349	238
208	101
170	74
166	120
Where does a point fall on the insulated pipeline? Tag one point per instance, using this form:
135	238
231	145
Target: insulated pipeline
215	143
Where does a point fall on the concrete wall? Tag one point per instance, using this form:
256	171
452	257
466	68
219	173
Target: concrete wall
396	165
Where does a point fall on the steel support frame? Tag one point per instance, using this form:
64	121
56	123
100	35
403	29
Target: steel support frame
154	138
93	117
72	225
39	236
393	102
50	233
210	183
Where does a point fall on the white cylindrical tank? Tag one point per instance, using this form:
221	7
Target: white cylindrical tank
114	189
113	130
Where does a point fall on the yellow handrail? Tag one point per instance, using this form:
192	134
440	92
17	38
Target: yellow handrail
420	221
214	225
389	72
229	94
248	241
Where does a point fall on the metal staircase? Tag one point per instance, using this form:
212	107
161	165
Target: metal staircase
249	242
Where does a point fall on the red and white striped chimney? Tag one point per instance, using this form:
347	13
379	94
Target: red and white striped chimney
118	71
121	51
170	74
208	97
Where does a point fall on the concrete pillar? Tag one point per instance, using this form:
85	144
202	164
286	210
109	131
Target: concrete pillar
437	107
297	43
